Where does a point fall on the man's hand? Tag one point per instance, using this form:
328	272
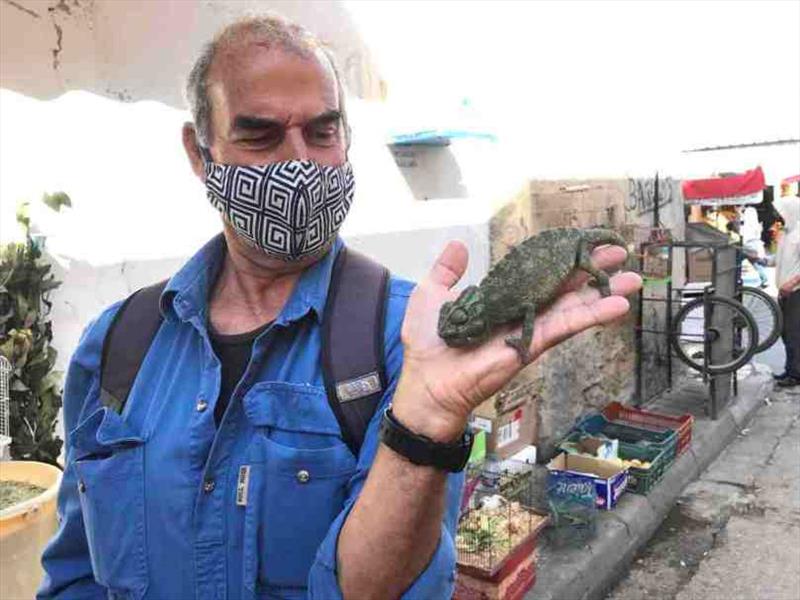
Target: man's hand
440	386
788	286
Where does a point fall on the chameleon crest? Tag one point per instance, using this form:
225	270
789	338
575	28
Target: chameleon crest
526	280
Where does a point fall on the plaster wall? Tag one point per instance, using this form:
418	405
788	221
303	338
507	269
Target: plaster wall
465	168
132	50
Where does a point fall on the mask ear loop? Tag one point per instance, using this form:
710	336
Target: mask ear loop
206	154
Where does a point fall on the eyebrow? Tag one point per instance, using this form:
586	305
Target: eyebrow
251	123
326	117
247	122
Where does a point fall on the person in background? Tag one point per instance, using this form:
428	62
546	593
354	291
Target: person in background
750	237
787	278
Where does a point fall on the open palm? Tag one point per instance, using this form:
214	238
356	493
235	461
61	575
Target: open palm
453	381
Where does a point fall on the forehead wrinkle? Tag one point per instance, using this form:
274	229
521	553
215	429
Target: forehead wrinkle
230	54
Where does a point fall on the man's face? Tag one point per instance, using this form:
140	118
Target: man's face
269	105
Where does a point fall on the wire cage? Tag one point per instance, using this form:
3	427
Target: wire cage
5	398
498	522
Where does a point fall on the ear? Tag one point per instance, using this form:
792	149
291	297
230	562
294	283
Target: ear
189	136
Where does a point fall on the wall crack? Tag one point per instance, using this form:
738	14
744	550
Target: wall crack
27	11
57	50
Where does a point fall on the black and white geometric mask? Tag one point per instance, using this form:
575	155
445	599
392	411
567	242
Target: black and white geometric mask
290	209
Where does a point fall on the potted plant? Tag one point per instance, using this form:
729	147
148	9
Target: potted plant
30	400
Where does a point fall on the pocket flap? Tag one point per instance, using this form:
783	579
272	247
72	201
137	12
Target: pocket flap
102	431
290	407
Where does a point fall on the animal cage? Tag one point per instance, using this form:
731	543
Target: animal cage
5	397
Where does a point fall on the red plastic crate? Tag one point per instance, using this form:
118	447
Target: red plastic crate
518	582
635	416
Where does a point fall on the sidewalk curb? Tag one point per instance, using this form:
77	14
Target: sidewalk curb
587	573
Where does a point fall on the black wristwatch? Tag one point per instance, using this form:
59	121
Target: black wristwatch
422	450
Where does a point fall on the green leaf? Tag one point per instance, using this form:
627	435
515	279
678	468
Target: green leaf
22	215
56	200
7	349
25	336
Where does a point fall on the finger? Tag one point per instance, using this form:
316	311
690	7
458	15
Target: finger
608	257
621	284
604	258
558	326
450	266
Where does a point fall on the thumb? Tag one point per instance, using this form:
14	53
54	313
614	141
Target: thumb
450	266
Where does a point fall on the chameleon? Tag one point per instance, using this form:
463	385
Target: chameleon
524	281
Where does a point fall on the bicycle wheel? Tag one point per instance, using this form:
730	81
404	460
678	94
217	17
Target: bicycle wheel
693	328
767	314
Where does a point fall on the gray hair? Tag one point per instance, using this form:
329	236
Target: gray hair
274	31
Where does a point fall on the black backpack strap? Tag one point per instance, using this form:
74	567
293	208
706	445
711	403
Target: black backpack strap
126	344
352	343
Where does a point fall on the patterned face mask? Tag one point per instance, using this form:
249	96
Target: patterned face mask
291	209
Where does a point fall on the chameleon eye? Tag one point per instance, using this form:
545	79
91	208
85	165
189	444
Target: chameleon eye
458	317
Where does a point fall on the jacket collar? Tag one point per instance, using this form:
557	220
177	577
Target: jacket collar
187	292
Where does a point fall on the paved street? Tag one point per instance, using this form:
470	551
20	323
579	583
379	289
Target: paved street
735	533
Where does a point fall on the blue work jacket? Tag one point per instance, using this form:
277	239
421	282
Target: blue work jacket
148	506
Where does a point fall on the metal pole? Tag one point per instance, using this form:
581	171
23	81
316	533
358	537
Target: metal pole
656	219
713	386
669	310
639	325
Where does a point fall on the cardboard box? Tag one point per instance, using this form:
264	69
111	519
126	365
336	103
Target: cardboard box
526	455
609	479
602	448
508	432
699	265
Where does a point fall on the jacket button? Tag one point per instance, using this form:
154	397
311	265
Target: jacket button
81	487
208	486
201	405
303	476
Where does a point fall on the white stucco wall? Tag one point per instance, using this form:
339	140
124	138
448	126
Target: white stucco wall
141	50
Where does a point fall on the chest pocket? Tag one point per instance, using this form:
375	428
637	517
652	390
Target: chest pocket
299	470
109	464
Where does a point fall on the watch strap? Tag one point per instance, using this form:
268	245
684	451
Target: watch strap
420	449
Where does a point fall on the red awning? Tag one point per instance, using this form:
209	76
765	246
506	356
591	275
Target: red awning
724	190
792	179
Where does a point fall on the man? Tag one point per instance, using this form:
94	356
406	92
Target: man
149	505
787	278
749	248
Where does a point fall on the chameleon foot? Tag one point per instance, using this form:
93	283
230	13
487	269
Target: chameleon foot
602	286
522	349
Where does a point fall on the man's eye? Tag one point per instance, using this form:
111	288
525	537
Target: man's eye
324	135
262	141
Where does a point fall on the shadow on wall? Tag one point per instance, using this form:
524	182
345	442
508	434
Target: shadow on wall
430	171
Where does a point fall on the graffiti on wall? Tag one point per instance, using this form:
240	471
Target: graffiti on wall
642	194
